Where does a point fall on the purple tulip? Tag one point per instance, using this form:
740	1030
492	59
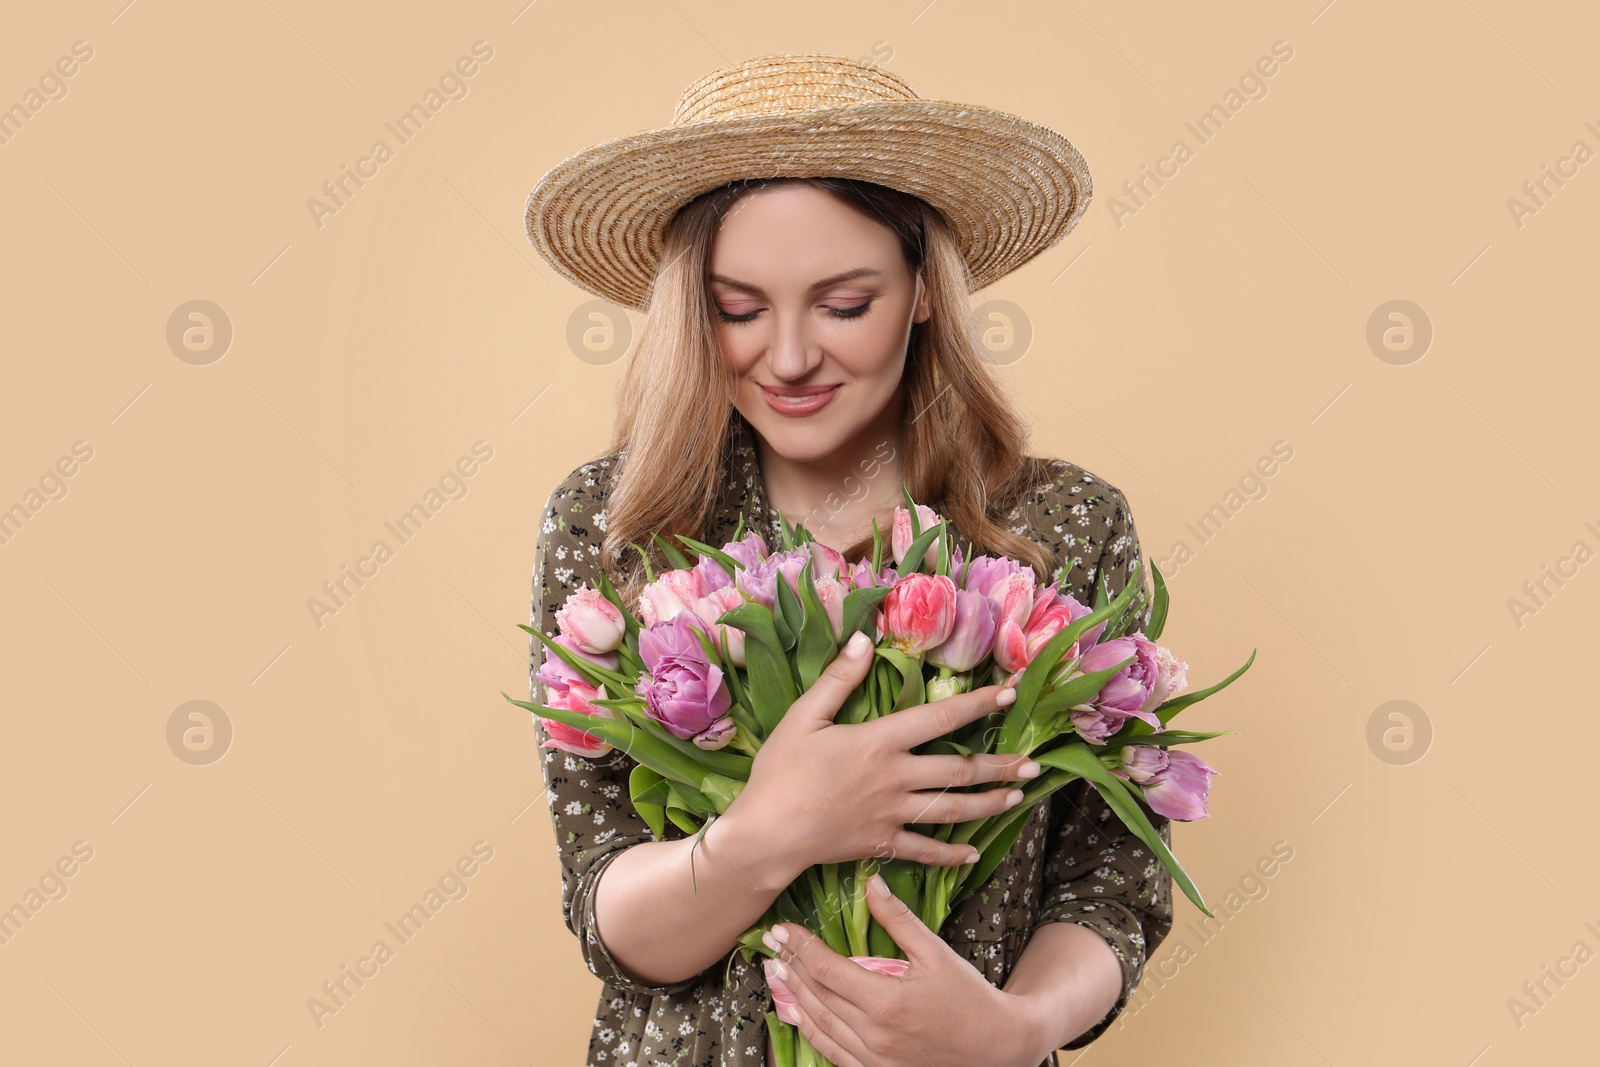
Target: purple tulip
861	576
971	637
747	552
1175	784
681	690
1130	688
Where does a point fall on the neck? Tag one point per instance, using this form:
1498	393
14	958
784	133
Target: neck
837	496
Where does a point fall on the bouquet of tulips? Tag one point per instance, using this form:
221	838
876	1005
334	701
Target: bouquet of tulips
691	680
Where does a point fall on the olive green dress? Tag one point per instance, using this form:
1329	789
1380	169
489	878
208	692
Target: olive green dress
1072	862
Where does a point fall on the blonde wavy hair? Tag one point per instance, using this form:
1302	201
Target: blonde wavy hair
965	455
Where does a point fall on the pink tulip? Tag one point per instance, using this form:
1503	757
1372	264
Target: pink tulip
671	593
900	538
919	612
831	592
1008	585
556	674
593	622
1175	784
971	636
576	697
825	562
710	608
1172	677
1052	612
784	1001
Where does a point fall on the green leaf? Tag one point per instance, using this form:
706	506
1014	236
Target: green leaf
912	563
912	692
1163	738
861	610
991	856
1078	759
729	564
649	792
1077	690
1167	710
674	557
789	617
1158	613
683	820
877	549
771	682
815	647
588	669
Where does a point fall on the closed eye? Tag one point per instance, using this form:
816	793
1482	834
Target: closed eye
838	313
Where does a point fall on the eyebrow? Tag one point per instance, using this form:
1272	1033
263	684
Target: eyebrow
835	279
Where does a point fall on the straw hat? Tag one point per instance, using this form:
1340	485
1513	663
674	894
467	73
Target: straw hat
1010	188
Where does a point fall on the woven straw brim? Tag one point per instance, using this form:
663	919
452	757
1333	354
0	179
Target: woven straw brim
1010	188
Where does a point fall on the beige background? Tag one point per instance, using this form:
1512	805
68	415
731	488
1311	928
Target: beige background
369	753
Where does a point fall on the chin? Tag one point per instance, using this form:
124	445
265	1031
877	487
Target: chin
798	440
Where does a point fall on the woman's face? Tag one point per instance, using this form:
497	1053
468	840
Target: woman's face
811	297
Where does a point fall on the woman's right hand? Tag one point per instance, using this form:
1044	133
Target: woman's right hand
826	792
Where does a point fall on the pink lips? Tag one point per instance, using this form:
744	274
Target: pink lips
817	398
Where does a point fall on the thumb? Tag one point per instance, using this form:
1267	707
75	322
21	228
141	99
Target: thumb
913	936
819	704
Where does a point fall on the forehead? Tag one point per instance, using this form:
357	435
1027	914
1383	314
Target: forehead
817	233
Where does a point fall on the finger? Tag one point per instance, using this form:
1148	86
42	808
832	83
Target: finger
827	1033
950	770
822	998
831	975
918	725
950	805
920	944
914	847
818	705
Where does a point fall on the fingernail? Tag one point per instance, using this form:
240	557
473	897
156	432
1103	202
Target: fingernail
1014	797
974	857
780	970
879	886
857	643
1006	697
768	940
1028	770
780	934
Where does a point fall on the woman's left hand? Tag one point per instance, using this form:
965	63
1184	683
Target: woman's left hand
941	1013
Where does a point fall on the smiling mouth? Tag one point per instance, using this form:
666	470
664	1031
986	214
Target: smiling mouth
797	393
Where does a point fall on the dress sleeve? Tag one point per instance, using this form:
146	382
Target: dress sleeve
590	807
1097	873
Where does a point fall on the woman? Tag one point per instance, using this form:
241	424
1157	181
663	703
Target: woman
808	346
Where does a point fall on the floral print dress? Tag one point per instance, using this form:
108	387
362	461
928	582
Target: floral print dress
1073	861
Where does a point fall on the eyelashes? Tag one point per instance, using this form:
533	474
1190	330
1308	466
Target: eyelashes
839	313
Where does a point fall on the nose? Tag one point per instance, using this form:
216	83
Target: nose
793	353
